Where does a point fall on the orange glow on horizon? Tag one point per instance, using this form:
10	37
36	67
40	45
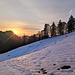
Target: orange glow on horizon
20	32
16	32
18	28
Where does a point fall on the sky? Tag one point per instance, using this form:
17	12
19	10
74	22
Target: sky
29	16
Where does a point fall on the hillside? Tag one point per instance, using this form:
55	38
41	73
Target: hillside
31	47
53	56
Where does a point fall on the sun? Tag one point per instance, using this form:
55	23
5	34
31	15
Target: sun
16	32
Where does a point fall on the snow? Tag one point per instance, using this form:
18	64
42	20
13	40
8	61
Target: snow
49	54
30	48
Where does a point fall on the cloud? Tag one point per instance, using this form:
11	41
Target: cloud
12	23
31	28
70	11
35	12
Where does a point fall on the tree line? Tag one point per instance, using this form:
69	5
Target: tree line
9	40
55	30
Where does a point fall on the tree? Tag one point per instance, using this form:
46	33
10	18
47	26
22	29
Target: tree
60	28
71	24
47	31
53	29
64	27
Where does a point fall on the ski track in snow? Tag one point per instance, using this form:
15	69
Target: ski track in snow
51	55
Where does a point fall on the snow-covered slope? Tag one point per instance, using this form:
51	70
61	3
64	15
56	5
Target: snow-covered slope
53	56
31	48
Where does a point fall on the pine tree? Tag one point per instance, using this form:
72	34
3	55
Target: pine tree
53	29
71	24
64	27
60	28
47	31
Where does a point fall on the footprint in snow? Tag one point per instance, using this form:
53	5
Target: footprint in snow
34	62
33	58
42	58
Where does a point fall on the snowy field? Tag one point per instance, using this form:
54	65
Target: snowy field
53	56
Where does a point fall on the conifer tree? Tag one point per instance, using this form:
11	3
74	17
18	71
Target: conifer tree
71	24
53	29
47	31
60	28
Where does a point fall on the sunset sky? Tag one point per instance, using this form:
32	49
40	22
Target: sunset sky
29	16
